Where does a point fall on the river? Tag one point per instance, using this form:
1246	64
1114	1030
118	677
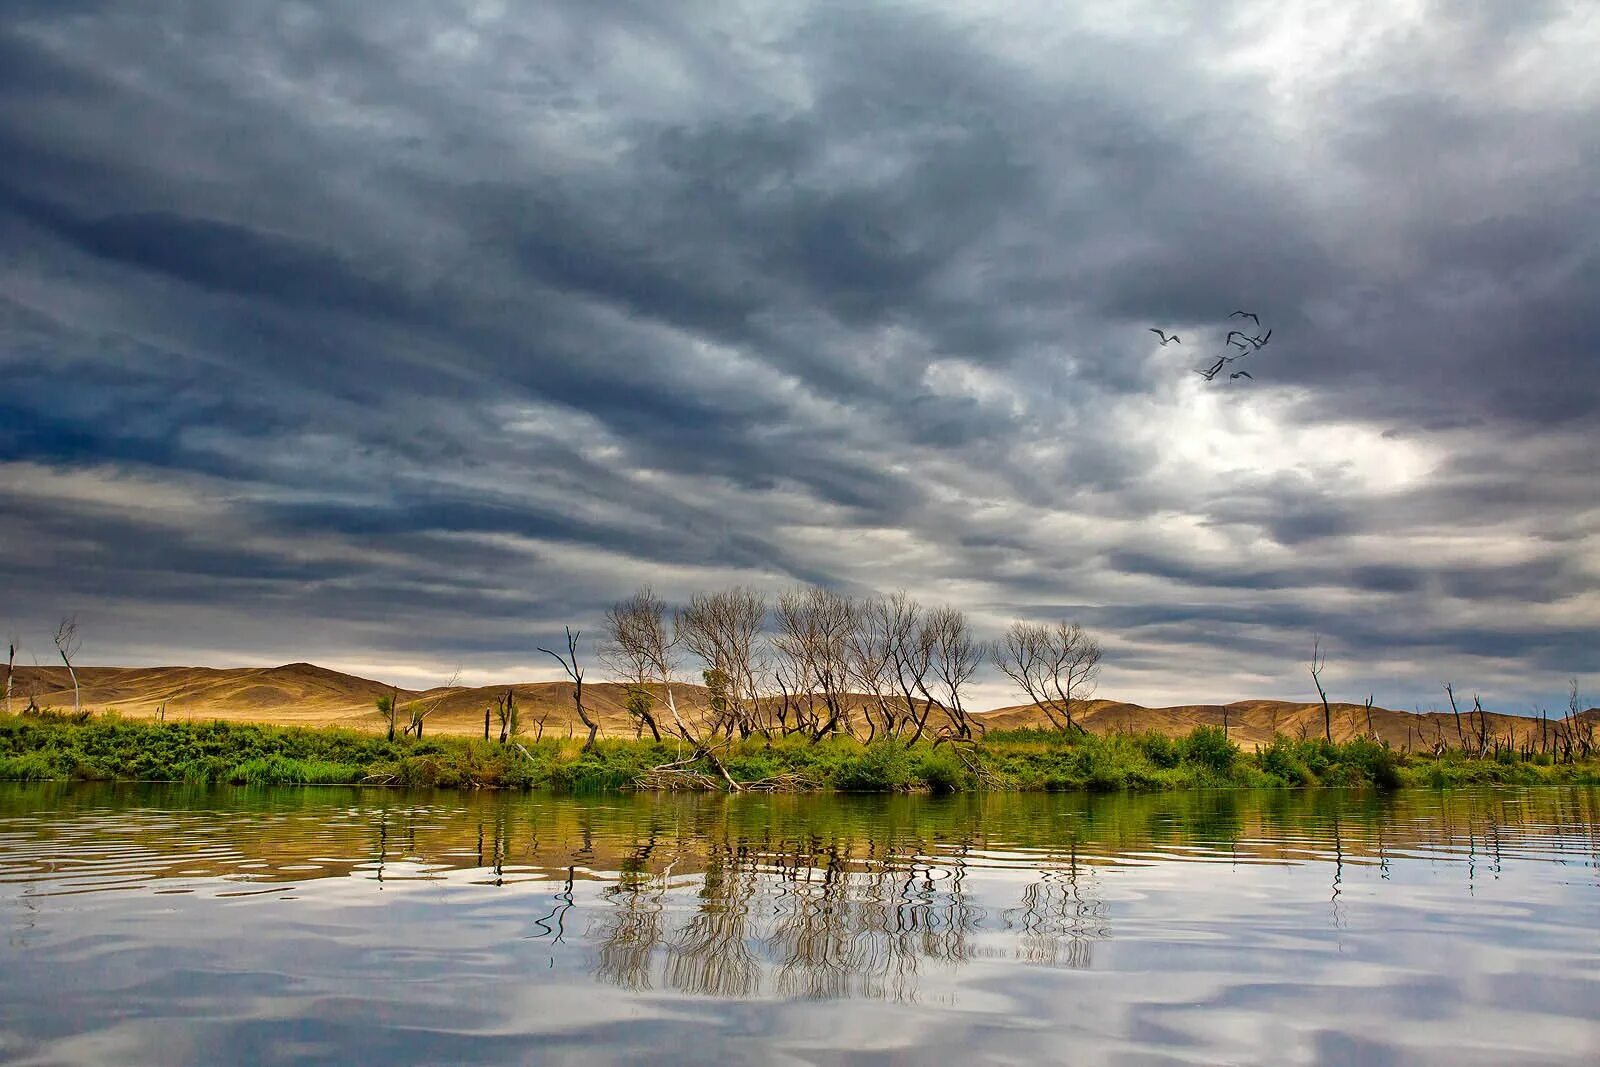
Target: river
171	925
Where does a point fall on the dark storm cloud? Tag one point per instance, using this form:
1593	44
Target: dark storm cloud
423	319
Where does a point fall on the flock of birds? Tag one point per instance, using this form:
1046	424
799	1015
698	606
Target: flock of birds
1246	344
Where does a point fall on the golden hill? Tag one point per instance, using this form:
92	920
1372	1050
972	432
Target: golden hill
303	694
1256	721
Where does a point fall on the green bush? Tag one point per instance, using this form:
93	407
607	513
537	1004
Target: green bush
881	767
1161	750
1208	748
1282	759
942	772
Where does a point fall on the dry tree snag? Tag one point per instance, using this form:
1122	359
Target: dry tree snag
1054	665
421	709
1319	661
569	663
639	647
722	630
11	668
67	642
1461	735
1483	726
956	657
815	630
389	709
1584	742
870	670
507	714
634	648
909	646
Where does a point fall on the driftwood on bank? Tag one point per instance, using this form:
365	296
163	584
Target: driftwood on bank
686	780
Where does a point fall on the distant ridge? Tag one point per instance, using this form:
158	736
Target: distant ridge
304	694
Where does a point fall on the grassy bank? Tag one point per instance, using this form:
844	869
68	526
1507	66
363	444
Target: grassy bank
109	748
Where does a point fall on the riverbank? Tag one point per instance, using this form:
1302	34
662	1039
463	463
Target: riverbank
109	748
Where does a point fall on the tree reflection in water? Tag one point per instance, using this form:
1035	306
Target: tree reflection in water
814	920
1060	918
798	897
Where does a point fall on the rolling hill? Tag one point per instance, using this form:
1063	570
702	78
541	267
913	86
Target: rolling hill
303	694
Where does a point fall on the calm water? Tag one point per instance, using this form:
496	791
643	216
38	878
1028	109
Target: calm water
170	926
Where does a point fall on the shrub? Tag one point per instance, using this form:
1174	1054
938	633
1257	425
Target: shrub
1282	758
942	772
882	767
1161	750
1208	747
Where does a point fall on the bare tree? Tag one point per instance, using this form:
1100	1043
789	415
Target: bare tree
815	631
67	642
389	708
957	655
870	669
642	646
421	709
1054	665
909	643
1585	740
636	648
1318	662
508	715
1461	736
722	630
1483	725
569	663
11	668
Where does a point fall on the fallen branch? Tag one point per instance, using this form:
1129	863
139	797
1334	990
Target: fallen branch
675	780
789	782
985	778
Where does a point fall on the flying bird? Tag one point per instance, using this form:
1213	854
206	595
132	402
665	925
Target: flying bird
1236	333
1262	340
1251	315
1215	367
1165	340
1240	374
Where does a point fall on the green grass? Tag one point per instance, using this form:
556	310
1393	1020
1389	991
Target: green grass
109	748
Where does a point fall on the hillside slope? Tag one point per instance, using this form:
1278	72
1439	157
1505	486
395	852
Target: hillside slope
303	694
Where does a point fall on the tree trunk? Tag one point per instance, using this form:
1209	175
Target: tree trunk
77	701
583	716
1461	734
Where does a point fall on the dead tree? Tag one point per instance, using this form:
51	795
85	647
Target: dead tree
638	646
1584	742
508	715
1483	726
1318	662
1368	707
1461	734
870	668
569	663
389	708
421	709
909	645
11	667
722	629
67	642
815	631
1056	666
634	632
956	658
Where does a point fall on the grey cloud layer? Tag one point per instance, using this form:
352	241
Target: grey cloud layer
448	323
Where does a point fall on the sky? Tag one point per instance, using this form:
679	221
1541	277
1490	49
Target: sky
396	336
